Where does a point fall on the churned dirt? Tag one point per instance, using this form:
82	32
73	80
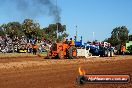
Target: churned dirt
37	72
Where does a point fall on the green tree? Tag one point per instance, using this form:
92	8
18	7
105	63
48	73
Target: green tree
51	31
119	35
62	36
3	27
30	28
130	37
129	48
13	29
2	32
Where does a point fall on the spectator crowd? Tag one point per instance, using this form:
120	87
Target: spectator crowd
9	45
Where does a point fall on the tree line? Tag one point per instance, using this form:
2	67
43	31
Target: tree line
31	30
119	36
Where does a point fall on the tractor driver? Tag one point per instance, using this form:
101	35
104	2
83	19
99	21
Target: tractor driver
65	41
72	43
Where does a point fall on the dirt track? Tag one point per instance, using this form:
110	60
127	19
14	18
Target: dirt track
40	73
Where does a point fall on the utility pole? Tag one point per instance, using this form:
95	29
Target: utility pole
93	35
76	32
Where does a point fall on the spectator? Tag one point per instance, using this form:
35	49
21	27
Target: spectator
123	50
35	47
29	47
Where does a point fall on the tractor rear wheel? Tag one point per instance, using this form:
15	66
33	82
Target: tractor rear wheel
72	52
60	55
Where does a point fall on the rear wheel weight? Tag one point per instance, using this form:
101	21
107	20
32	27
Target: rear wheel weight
60	55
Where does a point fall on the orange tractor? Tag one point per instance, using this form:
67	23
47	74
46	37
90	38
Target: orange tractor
62	51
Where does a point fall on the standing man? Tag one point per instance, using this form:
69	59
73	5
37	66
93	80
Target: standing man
35	49
123	49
